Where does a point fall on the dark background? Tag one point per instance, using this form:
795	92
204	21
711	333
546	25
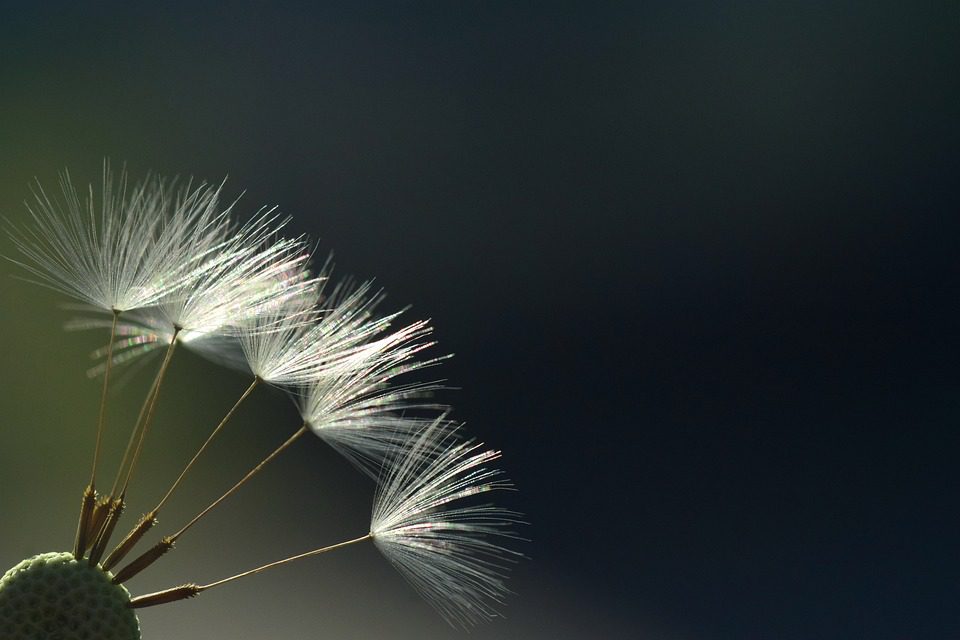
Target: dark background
697	263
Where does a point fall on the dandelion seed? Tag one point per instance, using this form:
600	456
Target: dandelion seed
354	407
351	407
420	523
132	250
251	271
297	342
252	294
445	551
126	250
277	344
246	276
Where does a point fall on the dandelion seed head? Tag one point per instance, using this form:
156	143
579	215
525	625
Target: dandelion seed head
353	404
246	288
247	274
157	263
445	548
123	249
144	332
277	342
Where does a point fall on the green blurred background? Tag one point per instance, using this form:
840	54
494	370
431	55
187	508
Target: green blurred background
696	260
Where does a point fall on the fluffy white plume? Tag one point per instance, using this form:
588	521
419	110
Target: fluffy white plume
351	403
280	345
250	273
126	250
445	547
145	331
279	308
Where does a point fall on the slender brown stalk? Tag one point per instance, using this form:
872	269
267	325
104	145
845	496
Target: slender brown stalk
90	493
156	552
146	414
133	436
102	513
130	541
277	563
164	597
190	590
150	411
86	510
226	418
150	519
97	519
103	538
302	430
103	398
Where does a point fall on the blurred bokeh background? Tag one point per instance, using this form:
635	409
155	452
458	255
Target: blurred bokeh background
697	262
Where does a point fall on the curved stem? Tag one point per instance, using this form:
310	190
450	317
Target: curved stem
150	411
133	437
90	493
277	563
226	418
302	430
190	590
150	519
103	398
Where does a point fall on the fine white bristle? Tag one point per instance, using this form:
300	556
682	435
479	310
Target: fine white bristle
305	339
144	331
249	273
445	547
126	249
352	403
277	342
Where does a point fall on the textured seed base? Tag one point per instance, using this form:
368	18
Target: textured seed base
54	597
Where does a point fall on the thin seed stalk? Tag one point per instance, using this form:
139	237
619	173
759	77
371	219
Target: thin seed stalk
83	524
191	590
150	411
103	398
150	519
257	469
128	543
103	538
81	540
145	560
155	553
226	418
278	563
117	503
133	436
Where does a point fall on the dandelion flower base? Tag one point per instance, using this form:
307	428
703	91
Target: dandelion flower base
53	596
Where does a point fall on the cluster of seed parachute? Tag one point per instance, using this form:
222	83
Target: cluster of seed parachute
171	261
